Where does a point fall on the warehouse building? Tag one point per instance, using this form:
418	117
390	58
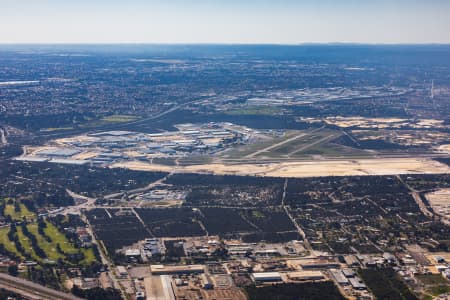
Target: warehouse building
357	284
267	277
339	277
172	270
305	275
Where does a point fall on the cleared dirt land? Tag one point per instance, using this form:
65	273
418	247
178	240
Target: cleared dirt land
440	202
384	166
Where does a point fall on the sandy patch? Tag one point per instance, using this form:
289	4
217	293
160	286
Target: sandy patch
387	166
444	148
440	202
85	155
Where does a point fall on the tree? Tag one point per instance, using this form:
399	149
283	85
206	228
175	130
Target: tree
13	270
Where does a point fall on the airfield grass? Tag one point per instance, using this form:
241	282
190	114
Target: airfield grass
306	142
255	110
194	160
242	151
329	149
303	147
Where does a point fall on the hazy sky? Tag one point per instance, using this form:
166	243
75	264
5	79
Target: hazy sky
225	21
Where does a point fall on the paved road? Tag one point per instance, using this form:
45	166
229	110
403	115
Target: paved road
31	289
3	137
417	198
76	209
425	210
299	229
105	259
139	190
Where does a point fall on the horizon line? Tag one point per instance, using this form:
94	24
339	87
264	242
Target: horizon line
227	43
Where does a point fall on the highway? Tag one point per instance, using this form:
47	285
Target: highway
427	212
299	229
417	198
118	126
32	290
105	259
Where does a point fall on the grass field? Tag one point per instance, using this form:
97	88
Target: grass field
49	247
25	242
435	279
108	120
51	129
435	284
6	242
18	215
94	122
255	110
119	118
311	142
262	144
296	144
439	290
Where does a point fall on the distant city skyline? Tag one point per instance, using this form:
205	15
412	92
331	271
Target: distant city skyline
225	21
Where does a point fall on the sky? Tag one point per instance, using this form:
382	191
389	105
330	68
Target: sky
225	21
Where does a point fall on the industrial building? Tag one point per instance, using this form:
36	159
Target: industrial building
357	284
351	260
58	152
267	277
305	275
207	284
121	271
320	265
172	270
339	277
349	273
